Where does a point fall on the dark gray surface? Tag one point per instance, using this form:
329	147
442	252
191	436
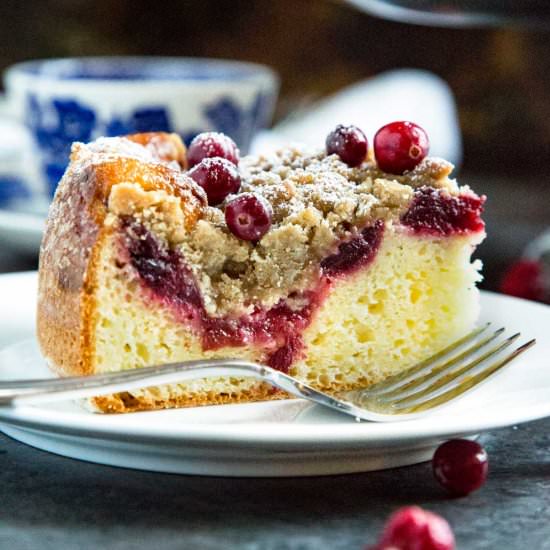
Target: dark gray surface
49	502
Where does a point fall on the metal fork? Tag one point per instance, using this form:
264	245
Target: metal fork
442	379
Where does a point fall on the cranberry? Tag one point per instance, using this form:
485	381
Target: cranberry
217	176
212	144
413	528
460	466
356	253
400	146
349	143
248	217
436	212
524	279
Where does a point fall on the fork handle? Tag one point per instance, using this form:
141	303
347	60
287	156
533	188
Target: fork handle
29	392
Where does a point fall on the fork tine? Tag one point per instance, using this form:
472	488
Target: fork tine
436	371
453	377
399	379
467	384
464	384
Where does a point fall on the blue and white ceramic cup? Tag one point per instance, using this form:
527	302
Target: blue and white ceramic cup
67	100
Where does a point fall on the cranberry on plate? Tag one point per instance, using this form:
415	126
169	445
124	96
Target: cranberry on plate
349	143
212	144
460	466
400	146
248	217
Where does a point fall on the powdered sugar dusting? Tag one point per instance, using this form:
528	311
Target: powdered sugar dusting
295	180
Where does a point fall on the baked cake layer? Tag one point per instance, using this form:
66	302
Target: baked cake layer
417	295
361	274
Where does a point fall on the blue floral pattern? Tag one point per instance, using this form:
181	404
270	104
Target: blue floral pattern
12	189
227	117
60	122
75	121
152	119
55	129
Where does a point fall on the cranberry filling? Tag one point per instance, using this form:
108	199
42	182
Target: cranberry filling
435	212
356	253
278	329
162	270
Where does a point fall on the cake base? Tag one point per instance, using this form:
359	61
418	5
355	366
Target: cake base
416	297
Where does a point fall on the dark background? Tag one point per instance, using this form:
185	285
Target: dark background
500	76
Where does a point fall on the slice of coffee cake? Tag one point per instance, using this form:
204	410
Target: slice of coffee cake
319	264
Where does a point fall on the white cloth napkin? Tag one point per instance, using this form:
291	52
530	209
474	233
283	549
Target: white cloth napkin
404	94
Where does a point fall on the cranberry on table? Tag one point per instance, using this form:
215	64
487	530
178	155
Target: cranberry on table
460	466
524	279
217	176
349	143
248	217
212	144
400	146
412	528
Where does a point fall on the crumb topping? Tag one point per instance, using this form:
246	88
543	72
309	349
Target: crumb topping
317	200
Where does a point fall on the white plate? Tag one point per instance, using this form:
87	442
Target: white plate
21	231
286	438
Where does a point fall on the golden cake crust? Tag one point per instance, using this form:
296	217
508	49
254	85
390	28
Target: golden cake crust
125	402
76	229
